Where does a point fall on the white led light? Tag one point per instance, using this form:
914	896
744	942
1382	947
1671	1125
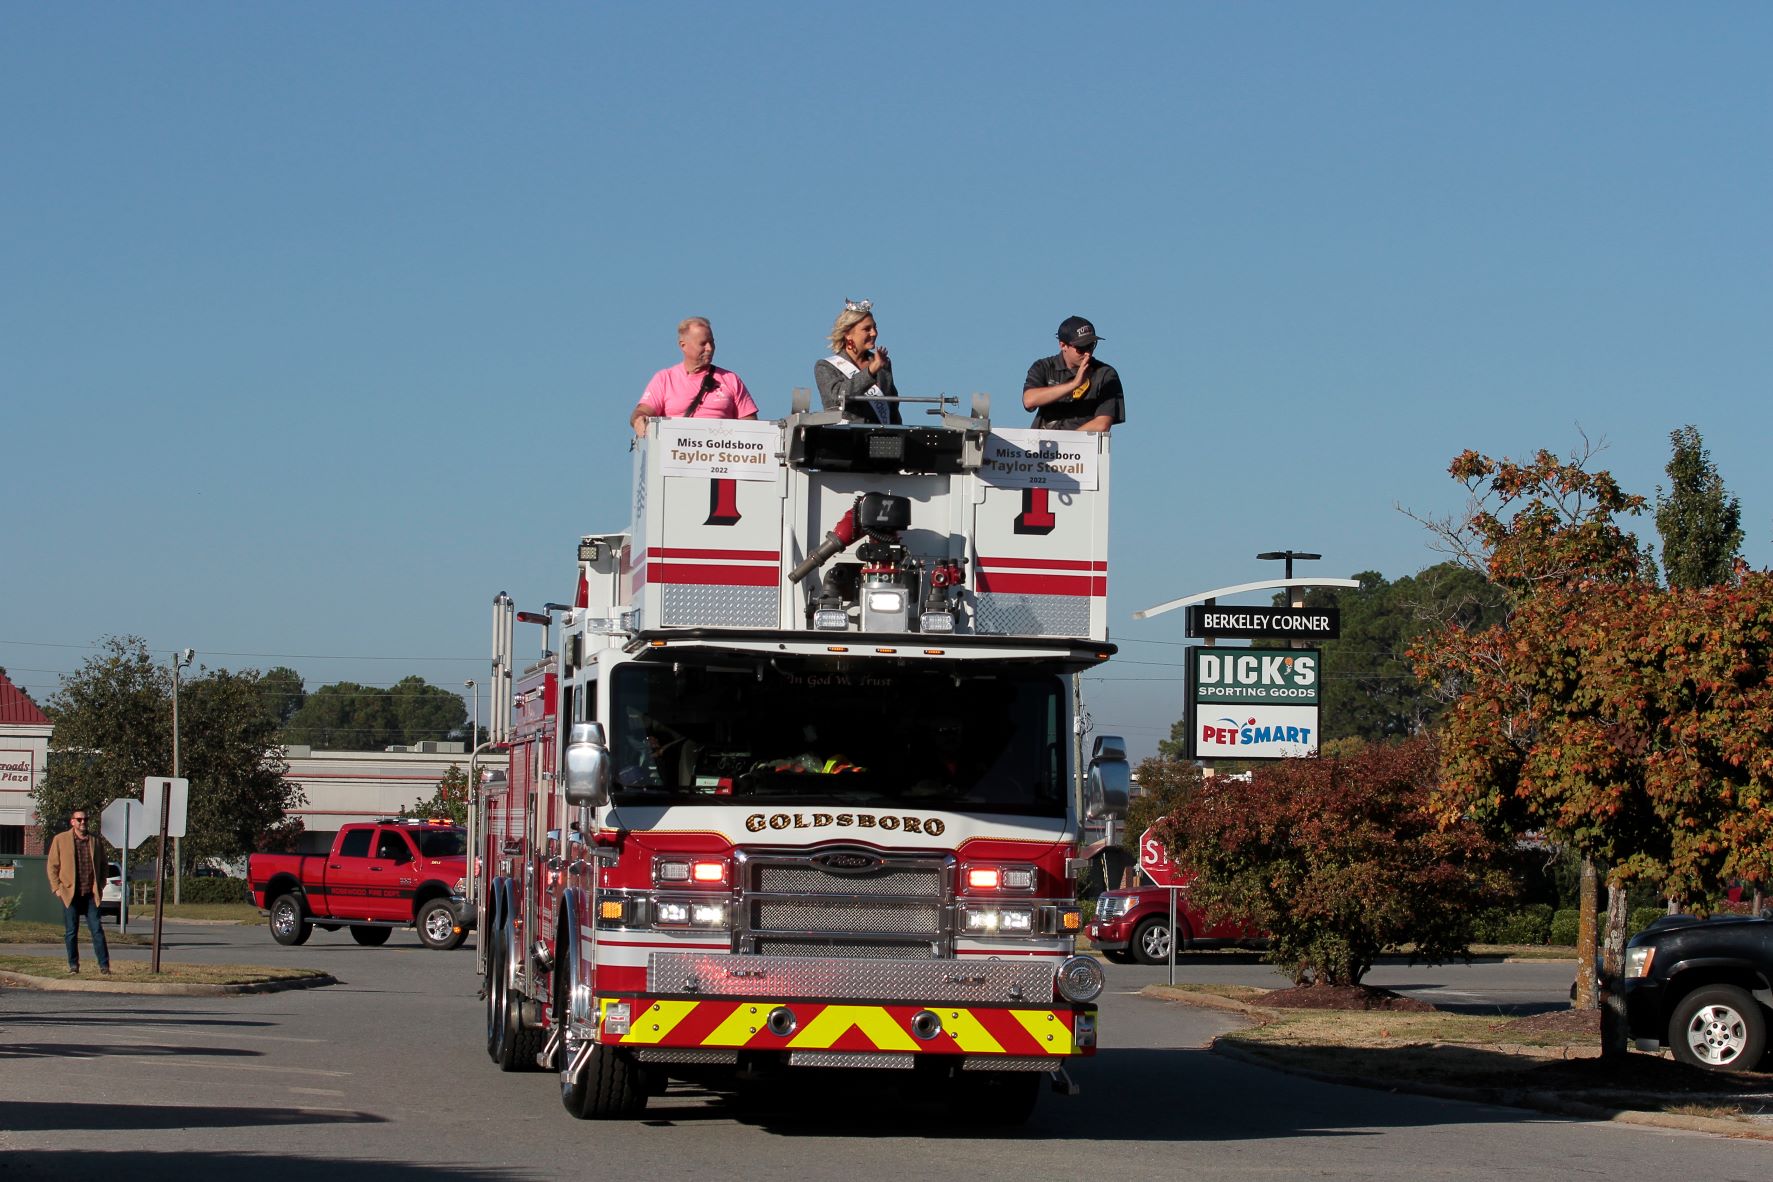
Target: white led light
831	619
981	921
1019	878
1015	921
673	912
886	601
935	622
708	915
671	871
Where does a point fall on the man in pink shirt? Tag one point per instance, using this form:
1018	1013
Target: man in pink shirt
697	389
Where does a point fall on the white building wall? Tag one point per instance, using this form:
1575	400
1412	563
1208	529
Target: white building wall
346	786
24	747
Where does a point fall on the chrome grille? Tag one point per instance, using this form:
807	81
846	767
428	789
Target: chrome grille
797	904
912	881
832	915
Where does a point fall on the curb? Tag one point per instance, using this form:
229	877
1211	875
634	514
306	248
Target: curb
158	988
1532	1100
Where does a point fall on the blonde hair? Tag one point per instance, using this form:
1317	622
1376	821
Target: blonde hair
846	320
684	325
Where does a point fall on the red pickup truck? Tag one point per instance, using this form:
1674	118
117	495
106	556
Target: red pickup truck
381	875
1134	925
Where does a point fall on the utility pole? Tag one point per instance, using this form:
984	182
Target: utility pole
473	687
179	661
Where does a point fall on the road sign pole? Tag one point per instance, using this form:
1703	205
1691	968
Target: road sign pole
160	878
1173	940
123	903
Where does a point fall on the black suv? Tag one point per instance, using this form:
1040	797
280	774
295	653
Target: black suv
1703	988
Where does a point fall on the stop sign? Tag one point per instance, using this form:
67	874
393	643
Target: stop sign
1154	861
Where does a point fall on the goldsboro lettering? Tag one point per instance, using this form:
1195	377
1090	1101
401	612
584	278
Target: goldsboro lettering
758	822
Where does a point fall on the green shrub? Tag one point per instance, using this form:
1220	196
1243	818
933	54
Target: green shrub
1640	918
1530	925
1563	926
212	890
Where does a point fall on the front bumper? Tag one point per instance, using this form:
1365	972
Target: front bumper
1644	1010
833	1034
1111	935
466	913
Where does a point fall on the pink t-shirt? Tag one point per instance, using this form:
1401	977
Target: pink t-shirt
671	391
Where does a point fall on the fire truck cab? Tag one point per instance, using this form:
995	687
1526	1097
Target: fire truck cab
797	787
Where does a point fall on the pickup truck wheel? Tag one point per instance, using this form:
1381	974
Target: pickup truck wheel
288	924
1719	1027
1151	941
437	926
612	1085
369	937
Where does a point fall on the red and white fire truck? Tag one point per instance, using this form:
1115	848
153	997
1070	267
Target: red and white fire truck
796	788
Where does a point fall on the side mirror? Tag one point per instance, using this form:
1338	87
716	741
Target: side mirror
587	766
1105	788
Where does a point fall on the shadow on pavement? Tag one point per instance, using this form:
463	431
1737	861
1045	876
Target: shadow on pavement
31	1116
140	1166
1127	1095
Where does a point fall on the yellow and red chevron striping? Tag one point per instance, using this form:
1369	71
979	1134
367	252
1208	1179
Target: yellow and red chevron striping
741	1025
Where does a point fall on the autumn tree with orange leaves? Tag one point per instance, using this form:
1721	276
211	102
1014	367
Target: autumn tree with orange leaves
1622	720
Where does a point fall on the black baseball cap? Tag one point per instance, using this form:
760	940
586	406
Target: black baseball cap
1077	332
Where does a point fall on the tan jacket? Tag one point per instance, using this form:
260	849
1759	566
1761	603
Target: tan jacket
60	866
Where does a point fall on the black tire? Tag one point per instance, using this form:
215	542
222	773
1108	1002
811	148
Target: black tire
437	926
513	1048
1118	955
613	1085
368	936
1720	1028
1151	941
495	999
289	923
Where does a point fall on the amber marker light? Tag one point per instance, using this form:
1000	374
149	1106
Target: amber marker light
610	909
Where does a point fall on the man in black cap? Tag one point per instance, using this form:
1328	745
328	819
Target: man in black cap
1071	390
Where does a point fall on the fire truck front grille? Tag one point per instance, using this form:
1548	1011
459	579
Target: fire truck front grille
914	881
847	950
832	915
846	902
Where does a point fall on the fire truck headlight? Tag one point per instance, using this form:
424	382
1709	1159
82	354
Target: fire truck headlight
461	887
992	921
1080	978
671	911
708	915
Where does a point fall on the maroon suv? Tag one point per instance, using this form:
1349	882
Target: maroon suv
1134	925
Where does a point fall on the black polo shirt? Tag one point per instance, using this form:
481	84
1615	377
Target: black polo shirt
1101	395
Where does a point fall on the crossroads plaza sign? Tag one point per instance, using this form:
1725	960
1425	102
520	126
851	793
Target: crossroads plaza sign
1207	621
1249	703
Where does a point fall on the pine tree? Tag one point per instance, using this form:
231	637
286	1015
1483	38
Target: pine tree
1700	522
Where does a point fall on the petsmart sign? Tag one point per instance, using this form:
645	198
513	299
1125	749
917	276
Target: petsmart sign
1251	703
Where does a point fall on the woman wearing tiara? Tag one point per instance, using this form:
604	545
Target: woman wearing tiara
858	377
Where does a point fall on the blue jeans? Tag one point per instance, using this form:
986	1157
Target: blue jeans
86	905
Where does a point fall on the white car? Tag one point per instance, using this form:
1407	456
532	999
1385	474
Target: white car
111	895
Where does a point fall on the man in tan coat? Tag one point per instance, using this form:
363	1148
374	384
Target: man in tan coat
76	868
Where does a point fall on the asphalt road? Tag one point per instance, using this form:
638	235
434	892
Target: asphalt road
383	1076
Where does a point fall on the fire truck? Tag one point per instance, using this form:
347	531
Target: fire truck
795	783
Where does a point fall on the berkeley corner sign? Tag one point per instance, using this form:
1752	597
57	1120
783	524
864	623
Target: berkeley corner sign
1208	621
1248	703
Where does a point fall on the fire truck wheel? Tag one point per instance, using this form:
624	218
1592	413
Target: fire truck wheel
612	1086
1001	1098
288	924
437	926
495	998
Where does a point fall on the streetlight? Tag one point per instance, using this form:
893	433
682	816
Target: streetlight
474	735
179	661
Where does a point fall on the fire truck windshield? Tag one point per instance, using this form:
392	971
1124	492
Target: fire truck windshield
804	733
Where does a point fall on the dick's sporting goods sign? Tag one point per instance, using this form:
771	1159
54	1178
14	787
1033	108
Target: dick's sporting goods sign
1249	703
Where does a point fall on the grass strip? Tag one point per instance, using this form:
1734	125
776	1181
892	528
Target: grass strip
170	973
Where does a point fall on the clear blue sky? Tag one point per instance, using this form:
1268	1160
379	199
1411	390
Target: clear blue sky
318	323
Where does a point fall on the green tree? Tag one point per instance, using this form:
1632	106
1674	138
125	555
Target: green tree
450	800
346	716
282	692
1700	522
113	728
